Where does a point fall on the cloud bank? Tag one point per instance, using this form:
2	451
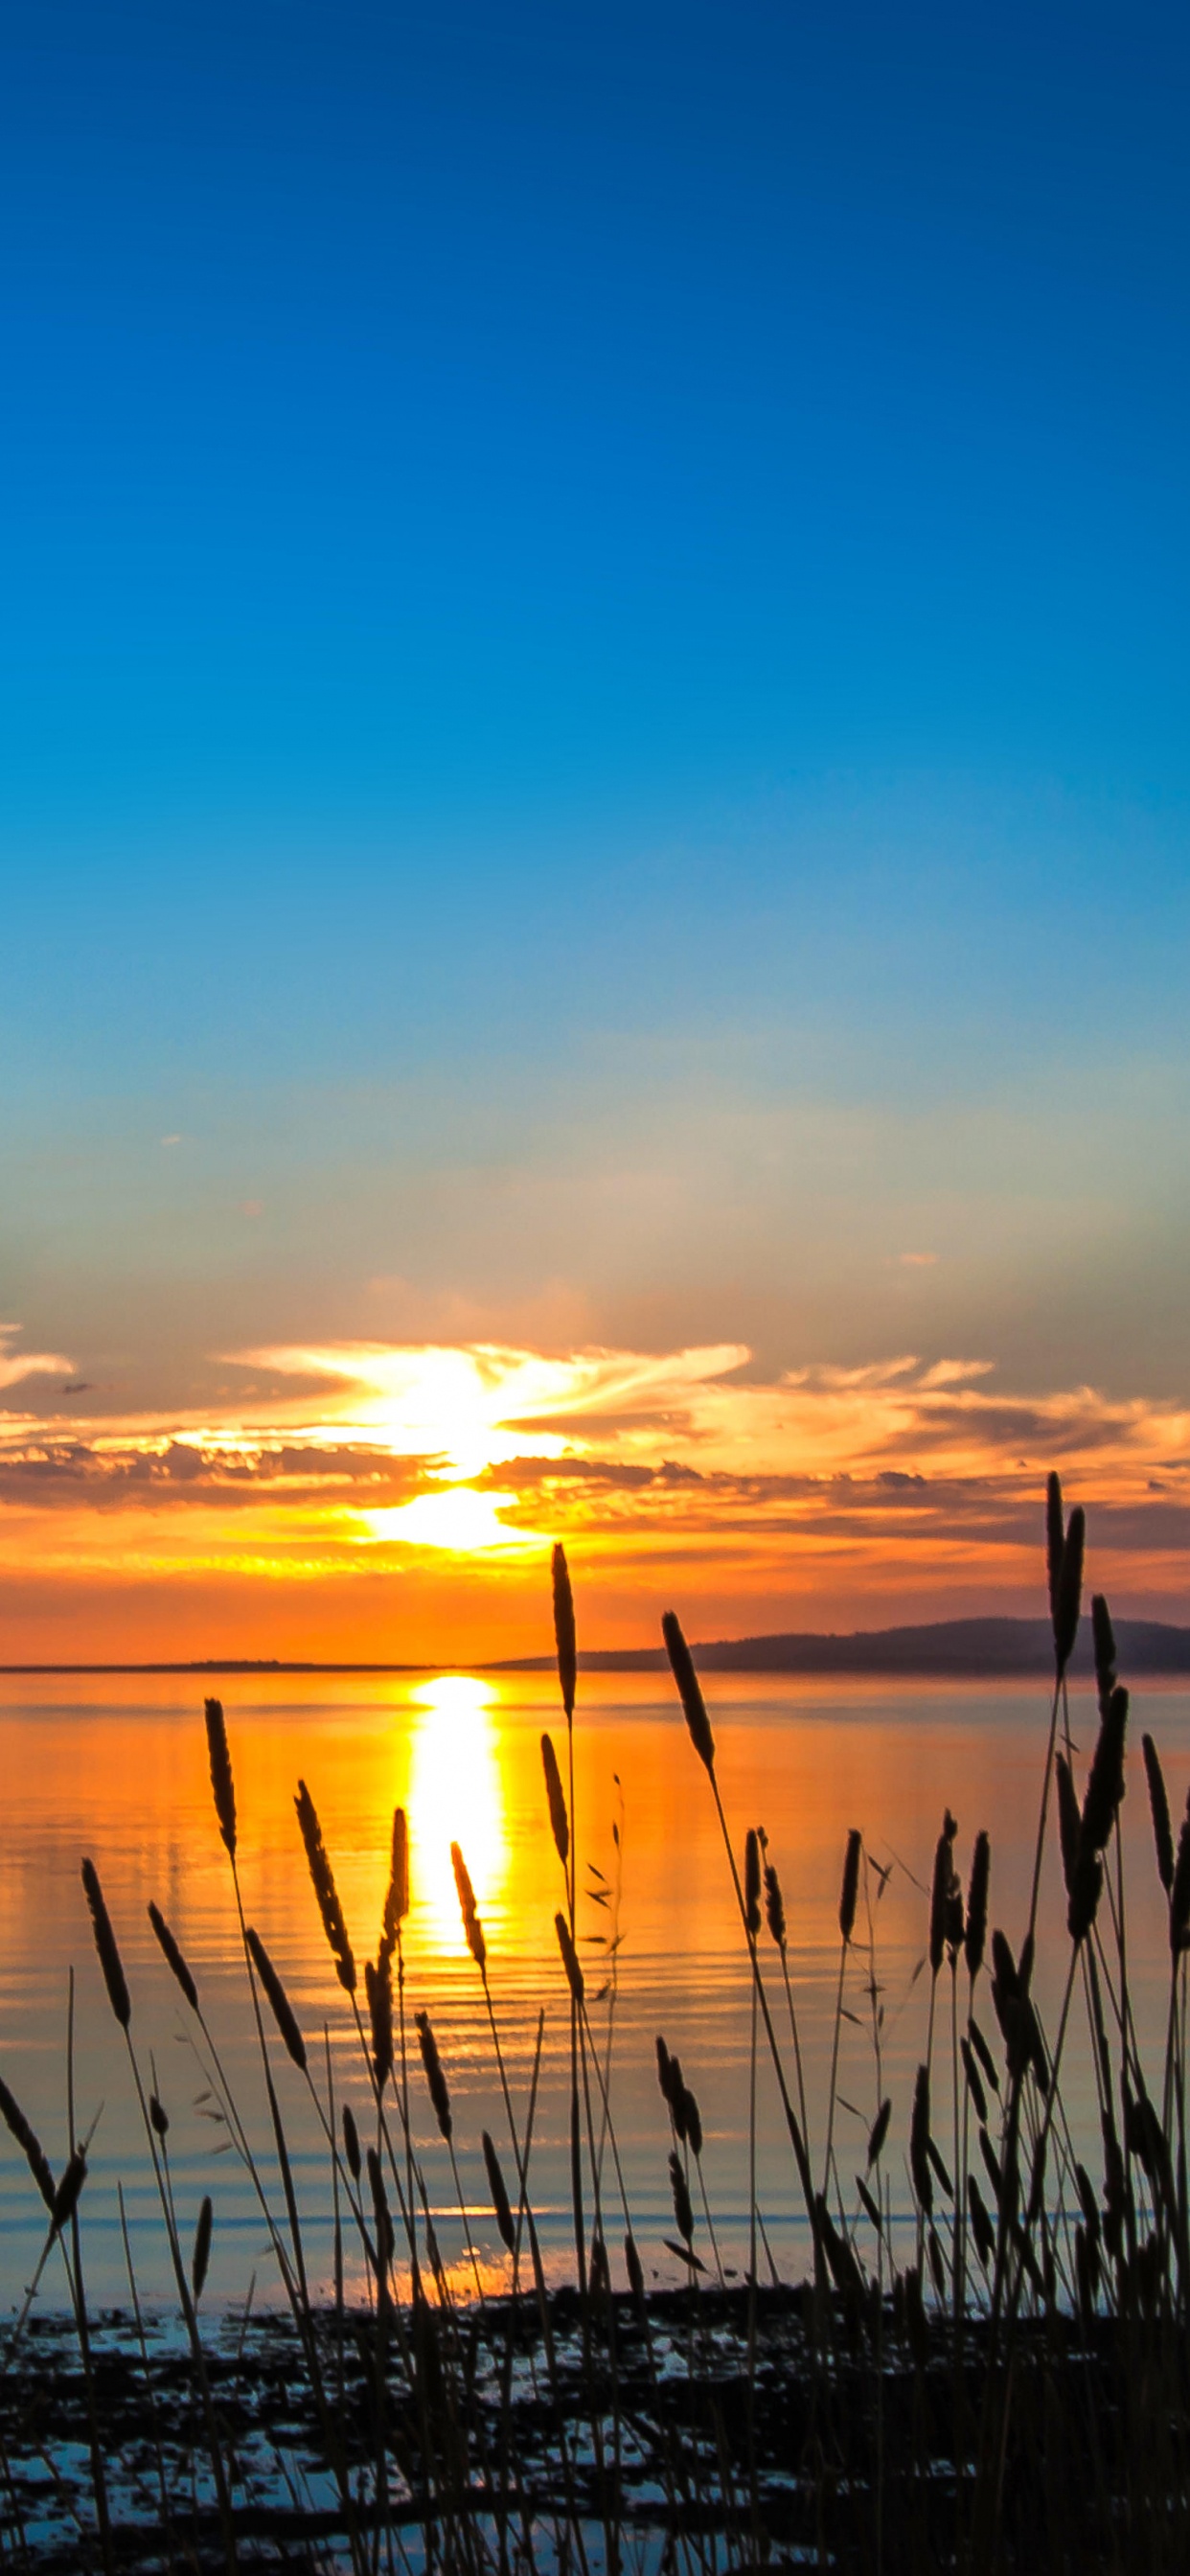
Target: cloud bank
821	1497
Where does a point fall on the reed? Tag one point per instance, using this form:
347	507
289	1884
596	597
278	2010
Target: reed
279	2003
1005	2388
323	1880
848	1899
120	2000
29	2143
222	1784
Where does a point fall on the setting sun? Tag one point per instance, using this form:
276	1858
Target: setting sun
461	1520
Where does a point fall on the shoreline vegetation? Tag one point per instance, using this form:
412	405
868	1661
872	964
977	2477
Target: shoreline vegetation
1011	2397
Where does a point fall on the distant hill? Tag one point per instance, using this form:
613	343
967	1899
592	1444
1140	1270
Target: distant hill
950	1649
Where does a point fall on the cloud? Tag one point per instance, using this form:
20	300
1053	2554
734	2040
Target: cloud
57	1470
900	1473
15	1365
470	1405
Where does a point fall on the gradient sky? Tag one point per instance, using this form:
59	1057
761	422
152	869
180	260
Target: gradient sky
594	769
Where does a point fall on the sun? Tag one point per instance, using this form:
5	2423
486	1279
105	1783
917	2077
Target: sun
457	1518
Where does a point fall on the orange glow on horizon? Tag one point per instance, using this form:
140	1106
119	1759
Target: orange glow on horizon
404	1501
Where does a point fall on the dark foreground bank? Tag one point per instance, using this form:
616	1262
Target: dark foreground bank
683	2431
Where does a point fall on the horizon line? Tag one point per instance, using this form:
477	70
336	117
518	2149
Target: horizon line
865	1643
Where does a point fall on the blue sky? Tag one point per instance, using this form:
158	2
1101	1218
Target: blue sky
594	662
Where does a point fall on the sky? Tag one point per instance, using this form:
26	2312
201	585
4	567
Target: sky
593	818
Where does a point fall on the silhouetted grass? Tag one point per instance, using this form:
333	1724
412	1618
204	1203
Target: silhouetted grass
1014	2397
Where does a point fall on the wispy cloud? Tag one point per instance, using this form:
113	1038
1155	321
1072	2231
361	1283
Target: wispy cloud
15	1365
686	1466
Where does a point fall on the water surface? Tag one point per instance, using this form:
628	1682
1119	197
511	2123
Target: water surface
117	1767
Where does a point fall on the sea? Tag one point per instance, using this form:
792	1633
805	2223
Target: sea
115	1768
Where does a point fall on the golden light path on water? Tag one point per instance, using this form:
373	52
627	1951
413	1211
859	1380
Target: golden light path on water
116	1767
455	1795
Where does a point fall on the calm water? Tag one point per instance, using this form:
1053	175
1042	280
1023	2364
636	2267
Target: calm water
117	1768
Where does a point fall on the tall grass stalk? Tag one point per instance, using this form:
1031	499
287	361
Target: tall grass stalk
1005	2390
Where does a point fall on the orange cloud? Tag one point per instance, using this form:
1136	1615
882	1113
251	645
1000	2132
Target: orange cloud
399	1500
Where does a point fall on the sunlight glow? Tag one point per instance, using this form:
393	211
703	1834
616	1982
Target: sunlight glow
465	1409
455	1796
466	1522
400	1494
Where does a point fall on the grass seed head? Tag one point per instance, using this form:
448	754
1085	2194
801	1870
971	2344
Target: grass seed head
981	2225
105	1943
378	1983
1055	1539
683	2212
663	2066
682	1667
1088	2202
570	1960
496	2186
26	2138
282	2010
752	1882
325	1890
919	2142
979	2099
1105	1786
869	2204
222	1783
934	2153
677	2098
396	1903
202	2248
1179	1895
941	1892
1070	1588
435	2076
983	2053
471	1923
1105	1650
977	1904
1006	1982
850	1888
1069	1821
1159	1809
174	1956
556	1796
66	2197
385	2236
878	2133
564	1630
992	2167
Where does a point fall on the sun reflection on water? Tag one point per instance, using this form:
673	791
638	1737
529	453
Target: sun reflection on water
455	1796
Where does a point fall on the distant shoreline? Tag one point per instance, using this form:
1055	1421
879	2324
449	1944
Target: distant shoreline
945	1649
